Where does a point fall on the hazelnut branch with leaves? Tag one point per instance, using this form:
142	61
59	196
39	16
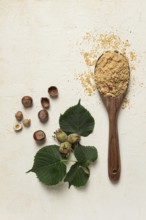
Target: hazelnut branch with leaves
50	162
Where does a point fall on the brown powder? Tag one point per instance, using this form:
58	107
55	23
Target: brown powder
87	81
92	46
112	73
109	40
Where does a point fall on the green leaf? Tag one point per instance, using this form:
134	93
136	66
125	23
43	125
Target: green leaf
48	165
77	175
85	155
77	120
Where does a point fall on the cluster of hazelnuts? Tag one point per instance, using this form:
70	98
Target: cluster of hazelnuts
67	142
43	115
26	122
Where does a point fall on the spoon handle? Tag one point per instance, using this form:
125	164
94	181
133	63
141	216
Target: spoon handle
114	167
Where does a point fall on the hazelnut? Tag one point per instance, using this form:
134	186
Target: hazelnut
27	101
43	115
26	122
60	135
18	127
73	138
45	102
19	116
65	148
39	135
53	91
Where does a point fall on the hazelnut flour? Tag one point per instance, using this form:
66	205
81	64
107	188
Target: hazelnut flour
112	73
91	47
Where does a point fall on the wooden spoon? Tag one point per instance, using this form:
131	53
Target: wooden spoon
113	105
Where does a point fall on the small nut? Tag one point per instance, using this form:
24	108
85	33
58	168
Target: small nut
60	135
19	116
43	115
39	135
65	148
18	127
27	101
73	138
45	102
53	91
26	122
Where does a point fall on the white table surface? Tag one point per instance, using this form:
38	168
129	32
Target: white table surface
38	49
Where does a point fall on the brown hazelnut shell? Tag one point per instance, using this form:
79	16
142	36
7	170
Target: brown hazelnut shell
53	91
43	115
45	102
39	135
27	101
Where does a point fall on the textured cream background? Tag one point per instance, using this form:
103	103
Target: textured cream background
38	49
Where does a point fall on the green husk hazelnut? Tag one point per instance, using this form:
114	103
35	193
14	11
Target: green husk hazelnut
73	138
65	148
61	136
